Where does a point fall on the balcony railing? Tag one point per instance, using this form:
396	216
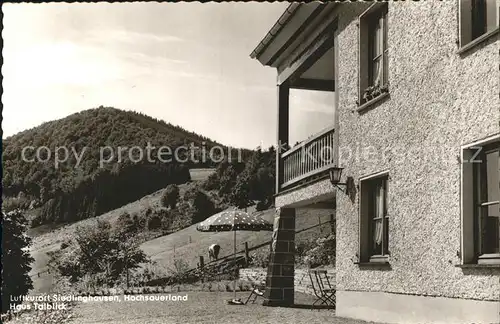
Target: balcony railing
308	159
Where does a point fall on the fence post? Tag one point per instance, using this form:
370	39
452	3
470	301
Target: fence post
202	265
247	255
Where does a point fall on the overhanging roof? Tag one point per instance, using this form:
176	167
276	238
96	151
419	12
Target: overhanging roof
286	31
292	8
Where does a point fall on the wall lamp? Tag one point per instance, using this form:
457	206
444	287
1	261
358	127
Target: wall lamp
335	176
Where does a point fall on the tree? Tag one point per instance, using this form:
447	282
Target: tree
240	196
16	259
125	225
227	181
263	184
201	205
212	182
154	222
167	217
170	196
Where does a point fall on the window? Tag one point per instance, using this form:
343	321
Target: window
478	19
374	240
481	207
377	50
486	198
373	50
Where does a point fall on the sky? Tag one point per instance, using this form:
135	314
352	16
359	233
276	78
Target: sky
186	63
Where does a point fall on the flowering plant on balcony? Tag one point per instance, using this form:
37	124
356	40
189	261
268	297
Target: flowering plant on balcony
374	91
368	93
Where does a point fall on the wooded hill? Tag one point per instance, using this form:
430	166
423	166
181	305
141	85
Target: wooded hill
71	193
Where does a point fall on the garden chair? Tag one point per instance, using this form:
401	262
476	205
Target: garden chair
257	291
322	288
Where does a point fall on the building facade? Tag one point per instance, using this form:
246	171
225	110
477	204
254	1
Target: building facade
416	132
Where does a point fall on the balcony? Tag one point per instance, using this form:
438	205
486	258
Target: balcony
304	54
308	160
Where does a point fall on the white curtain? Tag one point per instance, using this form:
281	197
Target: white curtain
378	49
379	213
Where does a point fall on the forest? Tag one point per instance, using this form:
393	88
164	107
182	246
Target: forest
75	191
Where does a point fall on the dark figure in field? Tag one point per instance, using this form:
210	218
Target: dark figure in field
213	252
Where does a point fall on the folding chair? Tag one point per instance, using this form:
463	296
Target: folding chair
322	288
257	291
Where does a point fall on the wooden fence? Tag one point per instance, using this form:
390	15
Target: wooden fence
247	250
233	258
202	266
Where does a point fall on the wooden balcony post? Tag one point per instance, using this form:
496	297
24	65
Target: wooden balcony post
282	129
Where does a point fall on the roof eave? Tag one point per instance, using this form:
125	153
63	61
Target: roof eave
271	34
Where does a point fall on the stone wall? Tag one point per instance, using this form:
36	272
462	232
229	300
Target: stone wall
301	279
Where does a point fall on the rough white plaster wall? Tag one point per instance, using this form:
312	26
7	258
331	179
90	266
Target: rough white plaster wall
438	101
306	195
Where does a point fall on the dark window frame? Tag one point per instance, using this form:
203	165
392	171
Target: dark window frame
477	23
377	20
369	250
478	18
375	185
369	91
486	252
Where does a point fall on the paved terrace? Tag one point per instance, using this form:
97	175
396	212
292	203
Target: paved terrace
203	307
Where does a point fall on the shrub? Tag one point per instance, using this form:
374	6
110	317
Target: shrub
154	222
200	205
323	253
302	247
67	263
125	225
167	217
212	182
100	254
140	220
65	244
260	258
180	268
263	205
13	203
262	187
170	196
240	195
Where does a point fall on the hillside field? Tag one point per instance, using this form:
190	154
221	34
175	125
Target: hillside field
187	244
190	244
47	238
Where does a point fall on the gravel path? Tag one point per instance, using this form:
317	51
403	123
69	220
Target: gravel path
201	307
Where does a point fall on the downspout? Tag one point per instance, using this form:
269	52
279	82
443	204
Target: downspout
336	98
336	124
